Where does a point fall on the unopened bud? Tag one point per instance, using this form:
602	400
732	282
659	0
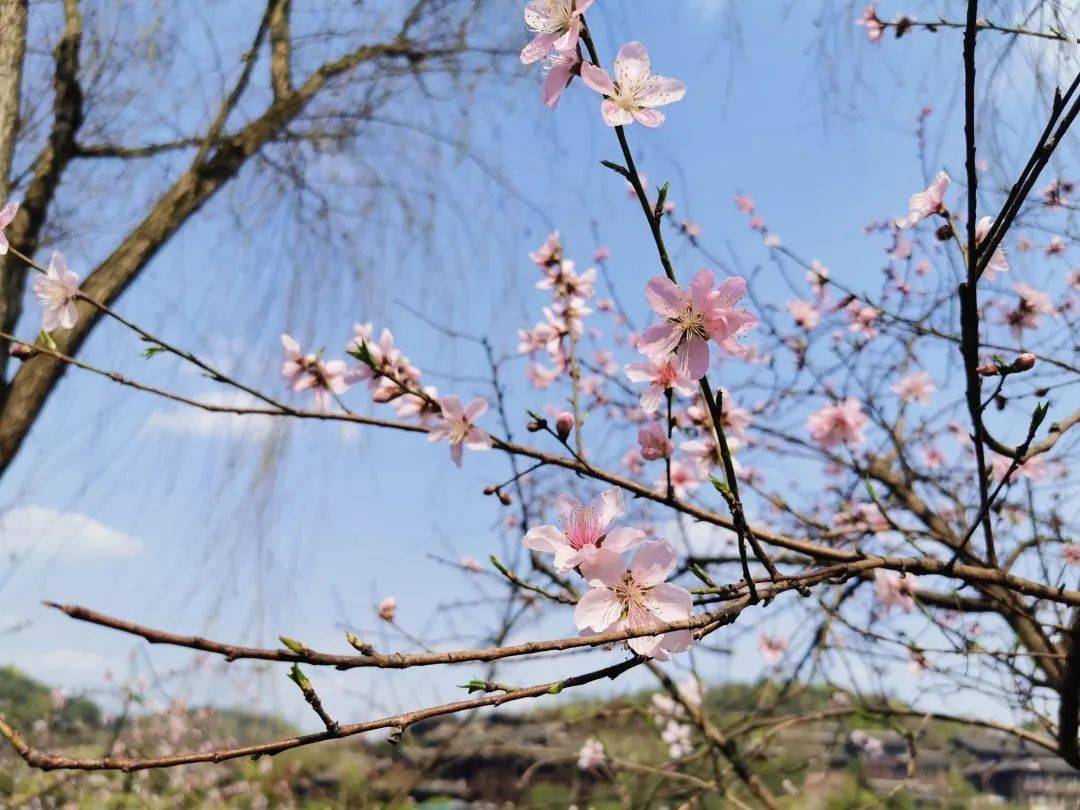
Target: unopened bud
387	609
1023	362
504	499
945	232
564	425
535	426
20	351
988	370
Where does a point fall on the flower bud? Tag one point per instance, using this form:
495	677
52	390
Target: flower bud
388	609
564	425
1023	362
20	351
988	370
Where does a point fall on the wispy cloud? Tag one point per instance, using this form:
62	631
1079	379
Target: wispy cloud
194	421
36	531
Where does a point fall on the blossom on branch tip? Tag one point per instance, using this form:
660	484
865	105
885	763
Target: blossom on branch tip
591	755
636	92
692	317
561	67
387	609
926	203
7	214
874	26
915	387
456	426
304	372
585	530
57	290
557	25
636	599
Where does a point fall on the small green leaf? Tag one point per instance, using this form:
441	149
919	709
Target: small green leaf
292	644
153	351
46	338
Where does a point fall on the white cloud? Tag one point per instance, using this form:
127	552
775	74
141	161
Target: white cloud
191	420
41	532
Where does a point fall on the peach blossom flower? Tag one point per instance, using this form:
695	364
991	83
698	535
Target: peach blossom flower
838	424
926	203
7	214
915	387
456	425
677	737
304	372
869	18
387	609
662	374
557	25
591	755
57	290
585	530
772	648
636	599
636	92
692	317
998	262
1070	552
654	442
805	313
893	590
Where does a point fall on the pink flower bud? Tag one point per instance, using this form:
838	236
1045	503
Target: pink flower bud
564	425
20	351
1024	362
989	370
388	609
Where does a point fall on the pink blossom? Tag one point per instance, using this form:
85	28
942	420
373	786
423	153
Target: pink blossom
424	408
308	371
564	425
456	425
677	737
7	214
561	67
893	590
470	563
557	25
998	262
933	458
862	319
387	609
805	313
744	203
1029	310
591	755
692	317
633	461
636	92
838	424
541	376
869	18
915	387
772	648
388	372
1070	552
654	442
1055	246
549	253
601	254
662	374
585	530
565	281
926	203
686	476
57	290
691	229
636	599
817	277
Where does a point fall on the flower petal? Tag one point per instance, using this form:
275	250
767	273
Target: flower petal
598	609
652	563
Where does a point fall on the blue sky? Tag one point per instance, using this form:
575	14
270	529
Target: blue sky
243	531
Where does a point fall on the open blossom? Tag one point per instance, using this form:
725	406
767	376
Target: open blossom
654	442
817	277
1070	552
424	408
893	590
838	424
549	253
565	281
456	425
636	92
1027	314
744	203
561	67
869	18
308	371
591	755
585	530
926	203
557	25
805	313
915	387
686	476
997	262
692	317
636	599
387	371
772	648
663	374
57	290
677	737
867	746
7	214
